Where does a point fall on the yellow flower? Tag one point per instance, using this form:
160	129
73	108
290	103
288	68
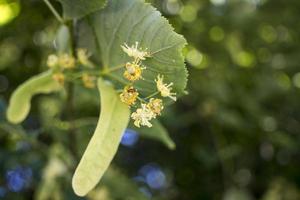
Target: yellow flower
165	89
156	106
52	61
59	77
83	57
129	95
133	72
142	116
134	52
67	61
88	81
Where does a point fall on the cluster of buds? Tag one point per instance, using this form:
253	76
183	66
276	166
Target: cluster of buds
66	62
148	110
63	61
88	80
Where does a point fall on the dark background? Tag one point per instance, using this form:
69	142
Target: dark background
237	131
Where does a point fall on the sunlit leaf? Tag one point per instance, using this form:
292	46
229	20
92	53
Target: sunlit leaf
102	147
19	104
130	21
80	8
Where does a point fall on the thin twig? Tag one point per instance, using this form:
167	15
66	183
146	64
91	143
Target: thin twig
142	100
152	95
53	10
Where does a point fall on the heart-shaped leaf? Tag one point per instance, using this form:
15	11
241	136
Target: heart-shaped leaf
19	104
103	146
130	21
80	8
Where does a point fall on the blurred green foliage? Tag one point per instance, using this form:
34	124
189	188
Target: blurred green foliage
237	132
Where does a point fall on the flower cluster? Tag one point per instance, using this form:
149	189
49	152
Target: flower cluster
66	67
148	110
134	69
63	63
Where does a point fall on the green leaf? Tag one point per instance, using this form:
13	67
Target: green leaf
101	149
130	21
80	8
156	132
19	104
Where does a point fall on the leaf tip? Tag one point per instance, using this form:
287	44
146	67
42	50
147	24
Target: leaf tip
13	120
13	117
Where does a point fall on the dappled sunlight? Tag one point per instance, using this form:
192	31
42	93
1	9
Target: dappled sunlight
8	11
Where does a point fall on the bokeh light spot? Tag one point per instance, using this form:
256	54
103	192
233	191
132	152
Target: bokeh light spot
19	178
156	179
194	57
268	33
8	11
129	138
269	124
216	34
283	81
296	80
188	13
173	7
154	176
218	2
245	59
